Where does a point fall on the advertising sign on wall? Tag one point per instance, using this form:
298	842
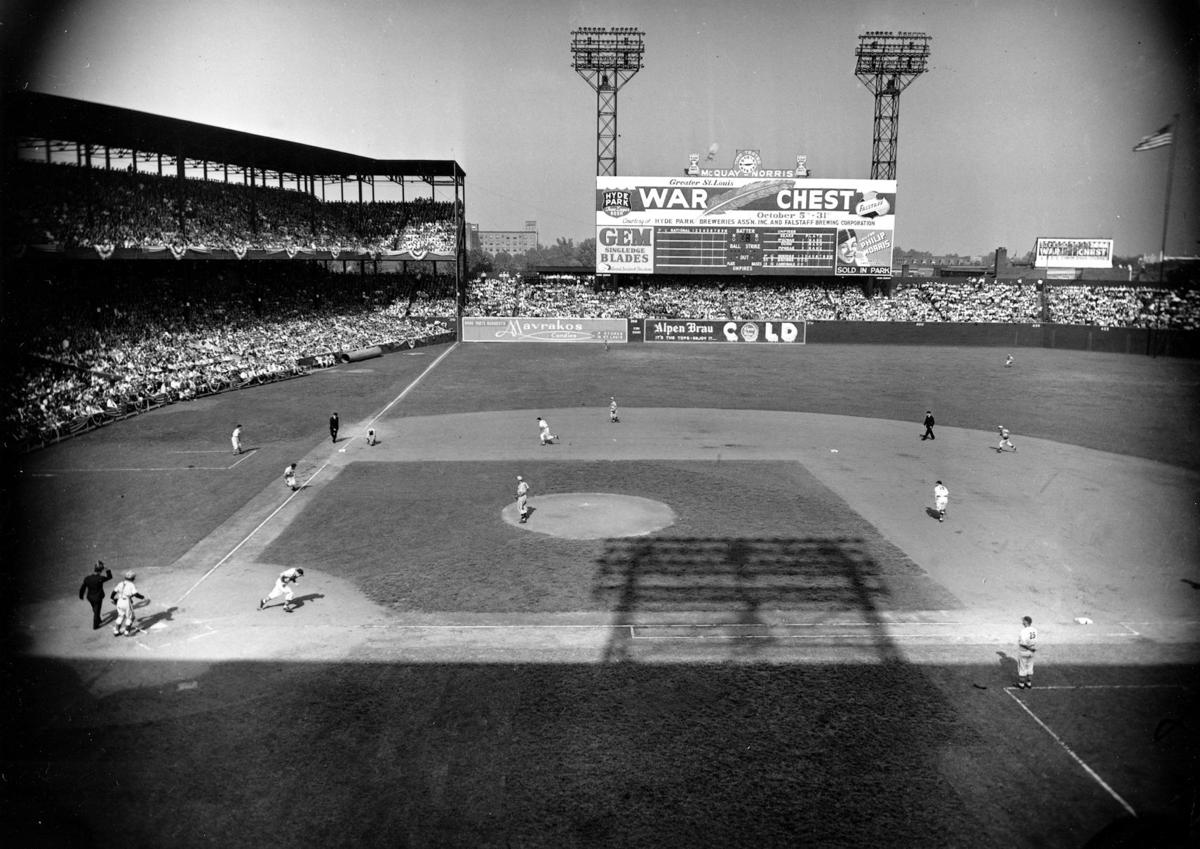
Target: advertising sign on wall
522	329
1072	253
721	330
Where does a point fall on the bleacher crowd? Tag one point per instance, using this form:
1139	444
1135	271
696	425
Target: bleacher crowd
919	300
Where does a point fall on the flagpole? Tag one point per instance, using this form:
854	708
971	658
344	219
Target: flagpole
1162	258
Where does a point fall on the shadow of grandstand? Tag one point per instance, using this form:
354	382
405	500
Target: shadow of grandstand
678	589
486	754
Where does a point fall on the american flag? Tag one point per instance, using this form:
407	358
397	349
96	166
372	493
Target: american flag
1160	138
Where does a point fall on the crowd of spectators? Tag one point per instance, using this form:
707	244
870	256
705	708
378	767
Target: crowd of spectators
87	352
70	207
970	300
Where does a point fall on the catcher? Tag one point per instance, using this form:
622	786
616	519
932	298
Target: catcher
283	587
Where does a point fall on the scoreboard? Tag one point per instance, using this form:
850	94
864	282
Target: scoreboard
740	225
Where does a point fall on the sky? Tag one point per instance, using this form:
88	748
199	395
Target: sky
1023	126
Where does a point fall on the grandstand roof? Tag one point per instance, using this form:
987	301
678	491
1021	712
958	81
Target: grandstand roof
30	114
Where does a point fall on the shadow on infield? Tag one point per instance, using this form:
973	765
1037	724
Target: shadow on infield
735	581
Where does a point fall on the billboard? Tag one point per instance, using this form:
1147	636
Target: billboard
744	225
522	329
722	330
1072	253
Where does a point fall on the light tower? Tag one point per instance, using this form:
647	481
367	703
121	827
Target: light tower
607	58
887	63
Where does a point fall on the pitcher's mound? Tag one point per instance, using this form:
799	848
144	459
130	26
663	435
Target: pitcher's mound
592	515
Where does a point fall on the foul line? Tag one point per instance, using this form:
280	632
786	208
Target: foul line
411	386
246	538
1074	756
311	477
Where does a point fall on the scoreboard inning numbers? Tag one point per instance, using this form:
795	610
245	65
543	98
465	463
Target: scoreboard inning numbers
742	250
740	225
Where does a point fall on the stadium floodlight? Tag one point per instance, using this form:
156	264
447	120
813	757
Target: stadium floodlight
607	59
887	63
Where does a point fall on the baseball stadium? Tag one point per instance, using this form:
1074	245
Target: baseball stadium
727	612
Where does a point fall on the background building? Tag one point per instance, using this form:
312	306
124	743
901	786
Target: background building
506	241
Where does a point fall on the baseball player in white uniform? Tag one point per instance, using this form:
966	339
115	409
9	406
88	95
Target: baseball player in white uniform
123	594
544	431
941	497
1026	646
523	498
283	587
289	477
612	410
236	439
1005	442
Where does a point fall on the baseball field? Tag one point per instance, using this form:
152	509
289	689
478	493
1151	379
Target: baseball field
732	618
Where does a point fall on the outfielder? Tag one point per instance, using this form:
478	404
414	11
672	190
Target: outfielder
236	439
283	587
523	498
544	431
123	594
289	477
612	410
1005	442
941	497
1026	646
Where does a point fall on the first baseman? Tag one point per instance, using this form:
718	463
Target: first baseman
1026	646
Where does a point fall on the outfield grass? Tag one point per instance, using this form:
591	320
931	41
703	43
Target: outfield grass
1118	403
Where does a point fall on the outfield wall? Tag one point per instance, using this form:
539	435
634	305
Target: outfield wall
1115	340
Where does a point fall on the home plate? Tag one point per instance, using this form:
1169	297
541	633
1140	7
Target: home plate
592	515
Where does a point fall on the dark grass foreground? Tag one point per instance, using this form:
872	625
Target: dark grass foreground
750	536
573	756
